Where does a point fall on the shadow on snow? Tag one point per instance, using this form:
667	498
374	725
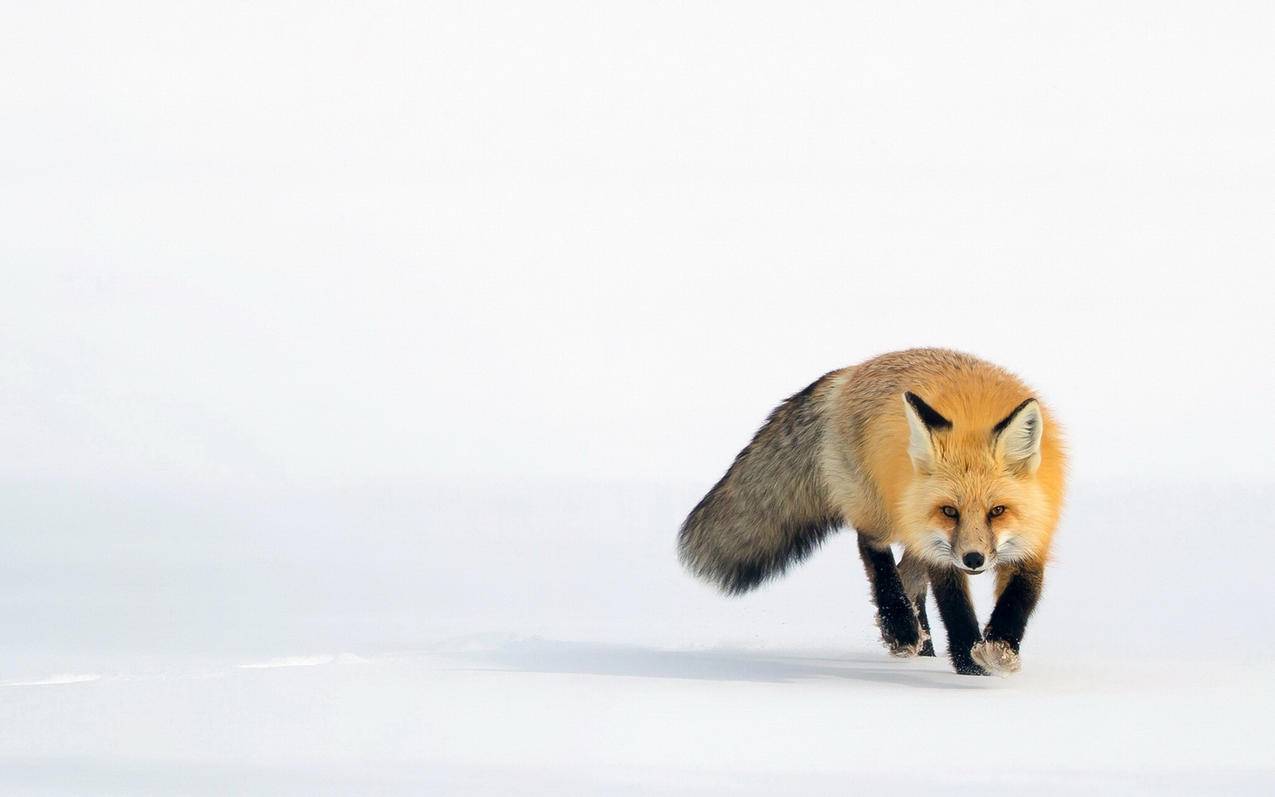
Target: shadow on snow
594	658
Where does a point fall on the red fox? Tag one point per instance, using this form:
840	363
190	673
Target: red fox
951	457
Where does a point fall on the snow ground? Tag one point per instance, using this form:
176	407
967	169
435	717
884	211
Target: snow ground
543	640
257	256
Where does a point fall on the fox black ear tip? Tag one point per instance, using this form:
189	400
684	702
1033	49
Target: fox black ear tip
928	415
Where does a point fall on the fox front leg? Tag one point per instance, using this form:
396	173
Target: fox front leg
1018	590
951	593
900	627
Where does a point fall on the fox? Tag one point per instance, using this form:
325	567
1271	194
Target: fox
950	458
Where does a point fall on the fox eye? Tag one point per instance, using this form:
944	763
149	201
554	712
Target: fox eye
950	511
997	511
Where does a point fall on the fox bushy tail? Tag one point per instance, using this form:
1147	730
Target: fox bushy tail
770	509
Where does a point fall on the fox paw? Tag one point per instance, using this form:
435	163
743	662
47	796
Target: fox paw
997	657
908	650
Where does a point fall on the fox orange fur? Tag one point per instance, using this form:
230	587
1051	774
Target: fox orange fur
948	456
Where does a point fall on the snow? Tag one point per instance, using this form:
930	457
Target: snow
358	364
549	642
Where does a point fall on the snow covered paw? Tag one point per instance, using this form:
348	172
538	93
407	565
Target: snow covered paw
997	657
908	650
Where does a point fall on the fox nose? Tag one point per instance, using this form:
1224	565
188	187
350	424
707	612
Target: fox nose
973	560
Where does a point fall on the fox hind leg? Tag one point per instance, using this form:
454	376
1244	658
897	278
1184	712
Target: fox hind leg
916	580
900	626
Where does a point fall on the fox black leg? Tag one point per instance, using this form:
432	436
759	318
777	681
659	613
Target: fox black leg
927	647
916	579
951	592
1018	588
900	628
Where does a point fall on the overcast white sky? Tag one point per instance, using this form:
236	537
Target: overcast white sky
269	244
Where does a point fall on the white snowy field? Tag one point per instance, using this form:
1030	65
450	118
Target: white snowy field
542	639
360	360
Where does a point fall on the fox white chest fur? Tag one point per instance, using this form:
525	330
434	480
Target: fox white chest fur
949	456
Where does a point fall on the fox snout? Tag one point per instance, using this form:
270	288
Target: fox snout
973	552
972	561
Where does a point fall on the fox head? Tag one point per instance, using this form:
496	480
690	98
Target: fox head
974	500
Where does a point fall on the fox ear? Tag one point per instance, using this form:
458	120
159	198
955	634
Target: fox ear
923	421
1017	438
